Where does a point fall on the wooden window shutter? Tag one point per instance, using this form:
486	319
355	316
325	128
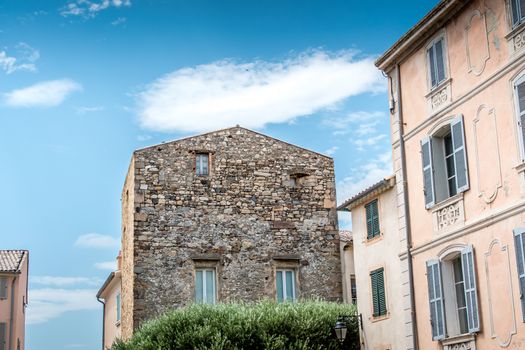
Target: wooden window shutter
519	245
3	336
471	295
435	296
428	172
460	156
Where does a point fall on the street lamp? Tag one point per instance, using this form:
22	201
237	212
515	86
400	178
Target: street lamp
340	330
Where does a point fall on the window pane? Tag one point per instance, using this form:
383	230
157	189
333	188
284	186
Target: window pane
198	287
515	11
202	164
431	64
289	285
463	327
522	9
450	166
210	287
449	149
279	282
521	96
440	61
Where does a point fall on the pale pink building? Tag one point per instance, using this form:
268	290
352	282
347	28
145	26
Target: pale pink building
14	266
457	103
109	296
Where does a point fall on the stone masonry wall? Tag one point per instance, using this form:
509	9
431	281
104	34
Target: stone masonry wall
245	219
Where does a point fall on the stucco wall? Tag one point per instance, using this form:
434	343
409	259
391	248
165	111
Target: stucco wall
369	255
112	328
245	216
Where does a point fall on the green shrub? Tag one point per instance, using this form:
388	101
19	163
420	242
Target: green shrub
262	326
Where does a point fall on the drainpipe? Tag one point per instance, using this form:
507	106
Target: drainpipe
103	320
407	209
11	320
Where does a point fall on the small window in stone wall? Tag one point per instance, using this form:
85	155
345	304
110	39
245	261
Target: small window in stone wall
202	161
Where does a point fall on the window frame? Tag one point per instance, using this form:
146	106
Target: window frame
283	282
519	249
437	168
441	36
520	128
521	19
118	303
4	292
204	289
199	164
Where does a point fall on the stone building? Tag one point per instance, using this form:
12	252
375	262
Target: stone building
227	215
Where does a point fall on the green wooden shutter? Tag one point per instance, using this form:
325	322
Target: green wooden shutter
378	292
435	296
428	172
519	245
471	298
372	219
369	226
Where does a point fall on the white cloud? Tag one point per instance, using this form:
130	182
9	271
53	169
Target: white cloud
367	128
226	93
59	281
331	150
27	56
364	176
144	137
86	109
89	9
44	94
106	265
342	125
370	141
49	303
118	21
96	240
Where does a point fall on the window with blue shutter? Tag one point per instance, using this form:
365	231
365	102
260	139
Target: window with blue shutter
436	62
471	298
435	297
519	245
517	8
519	95
428	172
372	219
377	279
205	286
460	158
285	285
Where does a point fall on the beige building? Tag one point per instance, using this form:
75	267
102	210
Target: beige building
457	99
377	266
346	250
14	269
109	296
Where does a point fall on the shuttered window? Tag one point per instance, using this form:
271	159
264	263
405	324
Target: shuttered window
428	172
285	285
471	299
372	219
3	336
435	296
436	62
444	162
519	245
377	278
3	287
519	88
518	11
205	286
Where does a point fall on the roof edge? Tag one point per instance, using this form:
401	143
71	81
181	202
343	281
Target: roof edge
441	13
106	284
374	190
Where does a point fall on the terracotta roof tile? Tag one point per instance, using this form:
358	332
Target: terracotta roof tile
11	260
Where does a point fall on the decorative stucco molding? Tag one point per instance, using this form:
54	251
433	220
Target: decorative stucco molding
478	52
462	342
448	214
504	285
440	97
487	141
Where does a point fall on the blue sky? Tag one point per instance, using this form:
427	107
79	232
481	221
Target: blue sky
84	83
